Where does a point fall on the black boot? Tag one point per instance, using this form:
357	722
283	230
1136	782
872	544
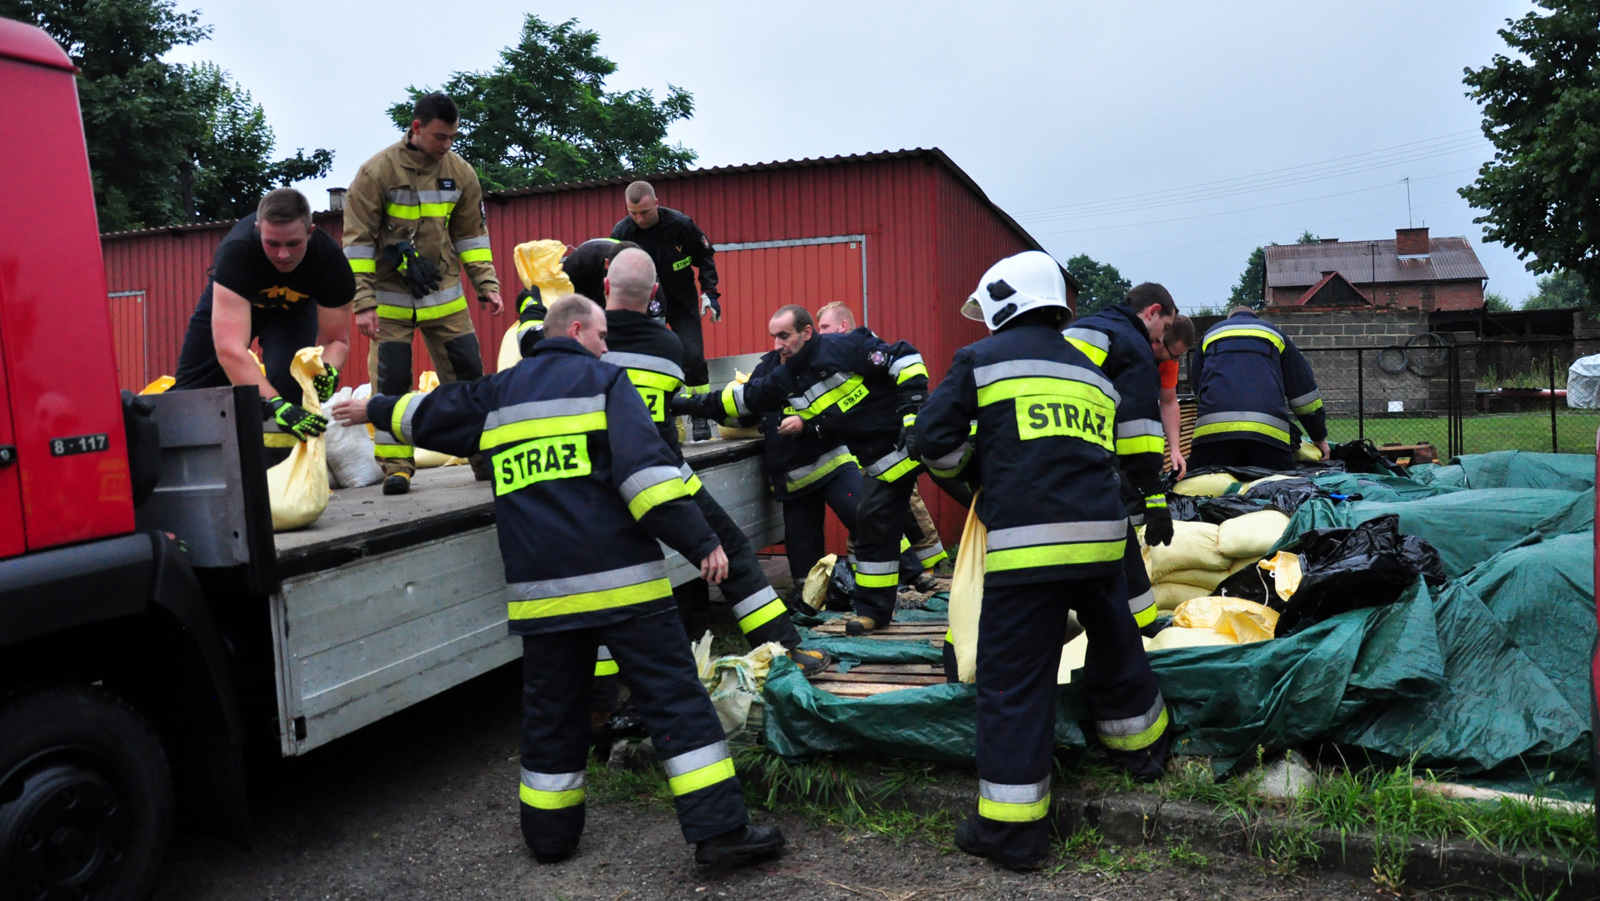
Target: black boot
967	841
741	847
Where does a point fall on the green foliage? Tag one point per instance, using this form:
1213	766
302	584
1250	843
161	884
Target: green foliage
1495	302
1306	237
1182	853
1251	291
167	143
542	115
1560	290
1103	285
1541	109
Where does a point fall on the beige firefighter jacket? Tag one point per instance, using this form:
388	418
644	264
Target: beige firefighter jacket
402	194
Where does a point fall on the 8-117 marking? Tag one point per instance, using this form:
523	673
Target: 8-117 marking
79	444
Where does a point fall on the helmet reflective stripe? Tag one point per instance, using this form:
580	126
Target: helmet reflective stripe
1029	280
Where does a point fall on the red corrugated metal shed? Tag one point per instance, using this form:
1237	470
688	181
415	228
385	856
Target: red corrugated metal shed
910	223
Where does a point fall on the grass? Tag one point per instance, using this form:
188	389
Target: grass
1575	431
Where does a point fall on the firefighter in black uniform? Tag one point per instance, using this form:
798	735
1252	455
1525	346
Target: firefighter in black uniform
1249	377
586	268
584	489
1043	455
866	393
651	357
679	249
1117	340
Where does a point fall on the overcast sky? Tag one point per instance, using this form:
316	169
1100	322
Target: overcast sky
1168	139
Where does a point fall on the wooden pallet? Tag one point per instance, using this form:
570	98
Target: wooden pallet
892	632
868	679
1408	454
1188	412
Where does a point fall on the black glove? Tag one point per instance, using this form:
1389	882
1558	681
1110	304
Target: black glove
908	440
1157	524
421	276
684	405
295	420
530	306
326	384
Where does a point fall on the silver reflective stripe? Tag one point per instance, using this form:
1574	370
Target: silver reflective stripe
544	409
645	362
754	602
406	417
930	552
1057	533
527	327
450	196
471	244
1089	336
897	366
601	581
1304	399
736	390
795	475
647	478
689	761
379	436
872	568
804	401
360	252
884	464
1241	416
1015	794
1136	520
950	460
1018	369
1135	724
1135	428
1136	604
437	298
552	782
685	471
1243	330
403	196
602	653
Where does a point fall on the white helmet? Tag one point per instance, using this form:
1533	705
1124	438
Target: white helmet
1027	281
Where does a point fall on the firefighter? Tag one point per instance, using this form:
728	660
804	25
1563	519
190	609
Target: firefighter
413	220
1043	453
584	489
275	279
679	249
652	356
1177	341
1249	377
866	393
1117	341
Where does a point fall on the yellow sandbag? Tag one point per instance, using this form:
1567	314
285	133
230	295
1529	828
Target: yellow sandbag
1251	535
1308	453
1177	637
1075	653
731	434
539	263
298	487
1264	480
160	385
1170	594
1194	546
1212	484
1286	573
1245	621
966	594
424	458
815	590
510	350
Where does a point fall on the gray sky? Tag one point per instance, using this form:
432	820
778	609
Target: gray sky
1085	121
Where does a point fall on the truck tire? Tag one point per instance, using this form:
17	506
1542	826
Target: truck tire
86	801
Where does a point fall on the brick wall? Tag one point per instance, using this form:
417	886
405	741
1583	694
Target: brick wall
1350	379
1453	295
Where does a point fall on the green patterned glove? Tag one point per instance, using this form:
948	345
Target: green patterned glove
295	420
326	384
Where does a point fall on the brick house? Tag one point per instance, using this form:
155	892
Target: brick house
1410	272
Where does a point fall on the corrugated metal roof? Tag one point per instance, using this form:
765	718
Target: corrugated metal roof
1365	262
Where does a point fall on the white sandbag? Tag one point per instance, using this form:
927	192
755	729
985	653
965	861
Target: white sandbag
1583	383
1194	546
1212	484
1251	535
1170	594
350	460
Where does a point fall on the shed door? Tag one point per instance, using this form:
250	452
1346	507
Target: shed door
128	336
756	279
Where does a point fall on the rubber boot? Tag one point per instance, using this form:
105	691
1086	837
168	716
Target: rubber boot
742	846
860	625
810	662
399	483
967	841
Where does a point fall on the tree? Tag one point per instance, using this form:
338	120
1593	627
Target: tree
1558	291
1541	192
1251	290
160	151
1495	302
542	115
1103	285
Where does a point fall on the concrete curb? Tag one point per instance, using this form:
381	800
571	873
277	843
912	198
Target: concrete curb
1136	818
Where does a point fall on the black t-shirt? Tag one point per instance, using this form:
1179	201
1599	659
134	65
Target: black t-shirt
242	266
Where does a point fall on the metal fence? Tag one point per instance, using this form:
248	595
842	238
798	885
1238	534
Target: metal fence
1457	398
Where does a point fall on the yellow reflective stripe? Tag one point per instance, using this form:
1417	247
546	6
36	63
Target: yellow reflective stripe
1010	389
1004	812
1244	332
935	560
606	668
391	451
590	601
833	396
543	428
1096	355
697	389
387	311
544	800
1146	616
1155	500
730	404
870	580
768	612
915	369
419	211
820	472
898	470
644	378
476	255
905	544
1144	444
692	483
363	266
704	777
399	413
403	211
279	439
1053	555
1312	407
656	495
1139	740
1237	426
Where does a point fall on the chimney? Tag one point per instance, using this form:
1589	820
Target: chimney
1411	241
336	199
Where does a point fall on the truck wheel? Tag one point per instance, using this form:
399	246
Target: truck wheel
85	798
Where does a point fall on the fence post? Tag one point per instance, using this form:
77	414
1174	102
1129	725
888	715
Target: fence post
1361	397
1555	447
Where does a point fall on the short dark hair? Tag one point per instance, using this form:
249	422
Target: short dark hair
638	191
566	310
437	105
802	317
1181	331
282	206
1142	296
1241	309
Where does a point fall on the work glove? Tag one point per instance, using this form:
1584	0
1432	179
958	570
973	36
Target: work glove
908	438
1157	521
685	405
326	384
295	419
710	302
421	276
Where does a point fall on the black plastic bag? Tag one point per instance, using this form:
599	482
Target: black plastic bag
1348	569
1285	495
1214	510
841	588
1251	584
1363	456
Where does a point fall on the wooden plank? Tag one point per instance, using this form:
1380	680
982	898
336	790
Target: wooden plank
861	689
885	678
829	628
914	669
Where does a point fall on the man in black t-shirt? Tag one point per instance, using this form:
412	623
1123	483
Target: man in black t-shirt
276	279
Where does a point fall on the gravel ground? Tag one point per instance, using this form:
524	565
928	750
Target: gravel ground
423	805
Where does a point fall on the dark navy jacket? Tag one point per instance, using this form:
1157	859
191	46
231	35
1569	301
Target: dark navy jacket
796	464
1249	377
1117	342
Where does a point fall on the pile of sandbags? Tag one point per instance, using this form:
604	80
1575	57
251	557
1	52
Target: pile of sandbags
1202	555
